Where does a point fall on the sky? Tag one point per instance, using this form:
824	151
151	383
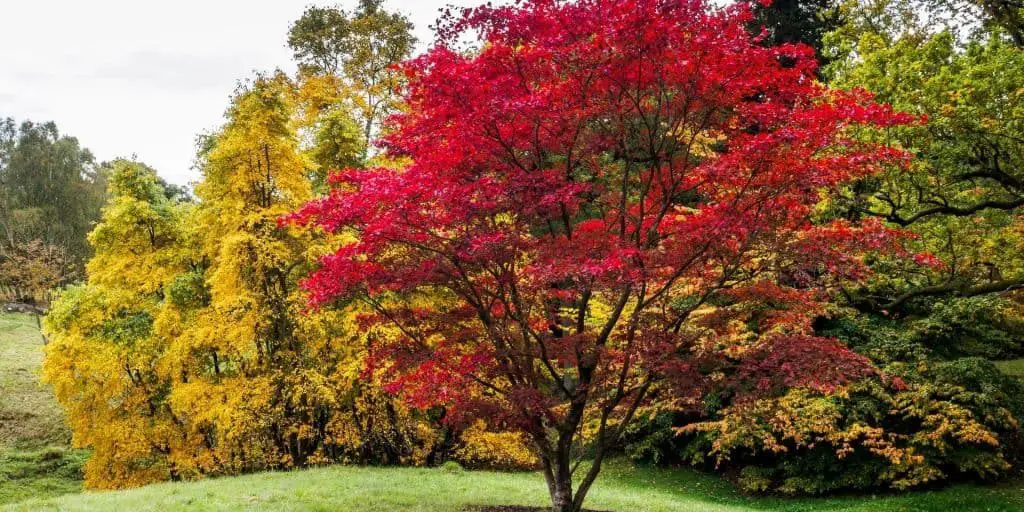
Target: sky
141	78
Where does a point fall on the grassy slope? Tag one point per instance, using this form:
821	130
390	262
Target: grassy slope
621	488
35	457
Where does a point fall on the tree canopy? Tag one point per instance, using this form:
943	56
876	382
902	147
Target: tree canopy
357	53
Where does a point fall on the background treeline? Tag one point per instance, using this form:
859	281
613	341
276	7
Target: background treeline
187	352
51	191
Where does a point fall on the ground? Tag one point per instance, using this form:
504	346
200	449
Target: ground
39	472
35	457
622	488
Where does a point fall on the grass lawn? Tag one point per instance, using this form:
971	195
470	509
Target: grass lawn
35	456
621	488
1011	367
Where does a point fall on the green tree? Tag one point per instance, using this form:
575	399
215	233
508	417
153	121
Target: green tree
360	50
51	189
964	195
1006	16
797	21
968	19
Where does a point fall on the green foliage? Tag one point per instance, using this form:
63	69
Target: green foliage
941	409
939	412
870	437
984	326
963	195
189	291
338	141
979	382
51	190
1004	16
357	51
653	439
126	327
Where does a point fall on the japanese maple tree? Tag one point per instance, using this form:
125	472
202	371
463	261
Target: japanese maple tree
597	196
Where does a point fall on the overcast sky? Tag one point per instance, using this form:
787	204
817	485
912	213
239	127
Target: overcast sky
143	78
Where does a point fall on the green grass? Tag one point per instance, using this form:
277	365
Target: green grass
621	488
36	459
44	472
1011	367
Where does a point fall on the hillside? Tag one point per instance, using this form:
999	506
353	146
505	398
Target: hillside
35	457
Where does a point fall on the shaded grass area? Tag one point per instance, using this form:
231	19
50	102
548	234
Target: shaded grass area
36	459
1011	367
622	487
50	471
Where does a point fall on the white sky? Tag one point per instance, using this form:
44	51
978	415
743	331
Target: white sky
144	77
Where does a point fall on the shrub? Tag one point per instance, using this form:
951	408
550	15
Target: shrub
481	449
985	326
926	419
870	436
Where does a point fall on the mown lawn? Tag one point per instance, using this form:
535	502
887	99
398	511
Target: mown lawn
621	488
35	457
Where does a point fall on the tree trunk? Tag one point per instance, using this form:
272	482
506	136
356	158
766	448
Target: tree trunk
558	473
559	479
561	499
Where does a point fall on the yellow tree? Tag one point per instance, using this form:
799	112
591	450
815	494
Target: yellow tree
190	350
258	383
230	348
103	352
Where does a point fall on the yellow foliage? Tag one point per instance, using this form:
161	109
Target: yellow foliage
802	420
189	351
480	448
102	355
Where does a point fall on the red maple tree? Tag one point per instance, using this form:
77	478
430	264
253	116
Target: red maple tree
596	194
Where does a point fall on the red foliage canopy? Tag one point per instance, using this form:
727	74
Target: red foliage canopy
583	187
